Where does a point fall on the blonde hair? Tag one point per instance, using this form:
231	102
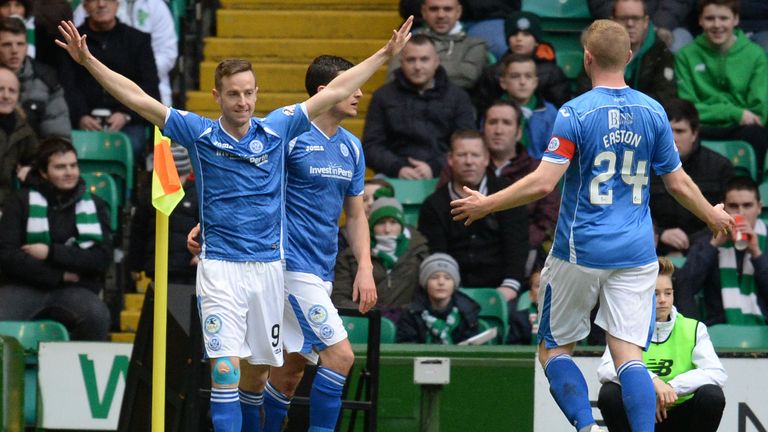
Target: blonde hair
666	268
608	42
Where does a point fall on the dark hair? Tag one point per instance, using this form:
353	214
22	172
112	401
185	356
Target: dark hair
681	109
323	70
460	134
49	147
733	5
13	25
421	39
516	58
741	183
229	67
27	6
508	103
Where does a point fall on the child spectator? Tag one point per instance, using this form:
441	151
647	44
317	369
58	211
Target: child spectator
520	82
687	375
439	313
524	34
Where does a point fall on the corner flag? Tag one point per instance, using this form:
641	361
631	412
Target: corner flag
166	186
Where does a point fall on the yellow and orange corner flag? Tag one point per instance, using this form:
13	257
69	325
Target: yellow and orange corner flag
166	185
166	194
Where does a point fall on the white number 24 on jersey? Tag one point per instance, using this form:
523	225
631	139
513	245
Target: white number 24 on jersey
636	180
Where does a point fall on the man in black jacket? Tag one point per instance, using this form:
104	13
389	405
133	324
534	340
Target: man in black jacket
410	120
55	247
123	49
491	252
708	169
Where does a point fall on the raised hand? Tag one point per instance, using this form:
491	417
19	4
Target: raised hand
399	38
73	42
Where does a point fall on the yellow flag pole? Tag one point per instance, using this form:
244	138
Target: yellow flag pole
159	337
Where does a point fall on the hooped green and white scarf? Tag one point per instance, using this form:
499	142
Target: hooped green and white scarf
390	248
441	329
86	219
740	295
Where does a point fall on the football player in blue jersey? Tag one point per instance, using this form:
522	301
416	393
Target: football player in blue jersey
326	170
604	142
239	164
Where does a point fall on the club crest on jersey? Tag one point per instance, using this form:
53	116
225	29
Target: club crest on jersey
289	110
564	112
326	331
214	344
554	144
183	113
317	314
212	324
256	146
344	149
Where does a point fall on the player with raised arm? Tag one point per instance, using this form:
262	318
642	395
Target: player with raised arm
605	143
325	170
239	163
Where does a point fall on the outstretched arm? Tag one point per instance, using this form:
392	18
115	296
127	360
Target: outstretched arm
346	83
123	89
534	186
685	191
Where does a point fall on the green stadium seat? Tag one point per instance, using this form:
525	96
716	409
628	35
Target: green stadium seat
411	193
104	186
524	301
740	153
493	308
571	62
726	336
388	330
11	385
30	334
560	15
558	8
108	152
677	260
357	329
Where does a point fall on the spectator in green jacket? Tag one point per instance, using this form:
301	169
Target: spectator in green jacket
726	77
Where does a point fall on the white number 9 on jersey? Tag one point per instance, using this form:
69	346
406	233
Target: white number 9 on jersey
636	180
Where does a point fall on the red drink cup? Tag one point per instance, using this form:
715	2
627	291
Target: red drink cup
740	238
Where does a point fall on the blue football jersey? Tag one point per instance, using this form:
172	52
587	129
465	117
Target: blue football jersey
239	182
612	138
322	171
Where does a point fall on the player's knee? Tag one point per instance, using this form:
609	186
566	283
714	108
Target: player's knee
339	357
224	373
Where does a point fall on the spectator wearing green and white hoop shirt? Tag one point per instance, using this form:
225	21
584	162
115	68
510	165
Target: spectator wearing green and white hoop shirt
734	282
55	247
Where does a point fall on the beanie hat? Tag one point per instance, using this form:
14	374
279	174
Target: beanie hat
523	21
386	207
181	159
439	262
